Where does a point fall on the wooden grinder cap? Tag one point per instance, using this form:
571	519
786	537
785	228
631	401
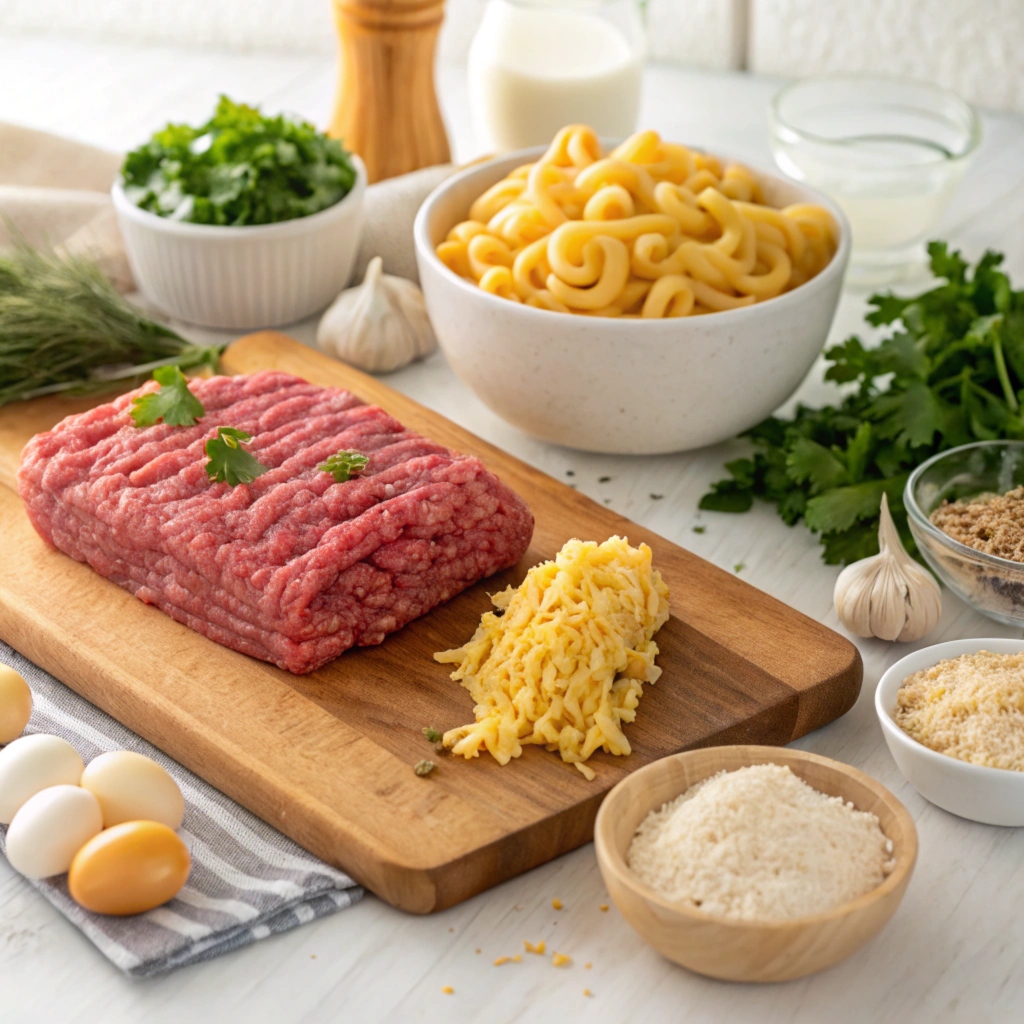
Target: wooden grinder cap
386	108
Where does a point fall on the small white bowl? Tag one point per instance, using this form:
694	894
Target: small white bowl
623	386
261	275
993	796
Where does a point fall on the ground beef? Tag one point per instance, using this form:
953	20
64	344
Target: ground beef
293	568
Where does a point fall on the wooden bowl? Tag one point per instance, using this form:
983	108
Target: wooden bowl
748	950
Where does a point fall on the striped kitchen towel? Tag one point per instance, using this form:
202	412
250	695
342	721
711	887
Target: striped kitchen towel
248	881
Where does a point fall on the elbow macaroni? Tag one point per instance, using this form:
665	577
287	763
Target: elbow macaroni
651	230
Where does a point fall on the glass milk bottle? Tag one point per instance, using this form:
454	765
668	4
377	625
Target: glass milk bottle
538	65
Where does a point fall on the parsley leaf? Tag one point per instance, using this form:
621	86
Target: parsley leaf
229	461
949	370
343	465
173	402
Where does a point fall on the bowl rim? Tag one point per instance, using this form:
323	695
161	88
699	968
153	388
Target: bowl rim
892	679
615	861
425	250
293	226
777	121
919	519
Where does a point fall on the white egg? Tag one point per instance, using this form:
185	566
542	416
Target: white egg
15	704
34	763
133	787
50	828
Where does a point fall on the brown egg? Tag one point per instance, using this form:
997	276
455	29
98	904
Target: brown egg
129	868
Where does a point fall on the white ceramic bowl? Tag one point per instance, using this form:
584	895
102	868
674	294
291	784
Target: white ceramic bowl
243	277
623	386
993	796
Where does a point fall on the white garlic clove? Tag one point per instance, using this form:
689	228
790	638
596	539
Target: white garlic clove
888	599
889	595
380	325
853	596
924	604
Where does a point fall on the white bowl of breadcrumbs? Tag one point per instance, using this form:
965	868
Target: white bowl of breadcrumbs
953	718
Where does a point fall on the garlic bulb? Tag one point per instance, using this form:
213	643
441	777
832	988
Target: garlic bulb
888	595
378	326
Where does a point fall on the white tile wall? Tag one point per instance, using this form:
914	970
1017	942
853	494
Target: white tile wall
973	46
698	32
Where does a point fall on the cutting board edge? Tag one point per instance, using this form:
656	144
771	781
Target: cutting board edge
411	886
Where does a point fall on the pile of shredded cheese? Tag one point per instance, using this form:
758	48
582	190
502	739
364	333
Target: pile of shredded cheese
563	661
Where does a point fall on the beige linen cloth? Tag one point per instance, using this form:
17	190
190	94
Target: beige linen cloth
56	191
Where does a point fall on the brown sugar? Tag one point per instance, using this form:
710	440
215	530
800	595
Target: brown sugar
992	523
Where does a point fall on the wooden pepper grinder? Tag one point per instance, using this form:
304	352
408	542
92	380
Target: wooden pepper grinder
386	109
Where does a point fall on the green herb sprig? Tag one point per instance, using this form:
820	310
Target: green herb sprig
238	168
344	465
951	371
229	461
172	402
65	328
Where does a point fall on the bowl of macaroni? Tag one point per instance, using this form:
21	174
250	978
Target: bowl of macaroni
637	299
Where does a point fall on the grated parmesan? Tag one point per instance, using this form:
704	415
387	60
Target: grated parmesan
563	660
759	843
970	708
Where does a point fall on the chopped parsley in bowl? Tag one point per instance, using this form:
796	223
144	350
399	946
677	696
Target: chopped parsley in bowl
238	169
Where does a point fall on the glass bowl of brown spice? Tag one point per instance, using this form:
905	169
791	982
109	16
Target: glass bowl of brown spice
966	512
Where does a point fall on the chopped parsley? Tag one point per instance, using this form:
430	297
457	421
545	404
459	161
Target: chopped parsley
229	461
173	402
344	465
432	734
237	169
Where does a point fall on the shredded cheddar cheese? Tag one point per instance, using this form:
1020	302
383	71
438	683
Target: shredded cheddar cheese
563	660
561	960
538	949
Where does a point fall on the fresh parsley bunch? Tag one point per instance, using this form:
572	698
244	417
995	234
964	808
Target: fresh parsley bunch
950	372
239	168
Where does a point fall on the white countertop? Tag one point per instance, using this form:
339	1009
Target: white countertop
954	950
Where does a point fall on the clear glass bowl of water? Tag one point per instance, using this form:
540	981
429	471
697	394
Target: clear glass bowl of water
890	151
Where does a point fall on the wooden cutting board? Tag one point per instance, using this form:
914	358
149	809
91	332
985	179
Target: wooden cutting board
327	758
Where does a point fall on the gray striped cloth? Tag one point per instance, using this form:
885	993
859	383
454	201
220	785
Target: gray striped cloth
247	882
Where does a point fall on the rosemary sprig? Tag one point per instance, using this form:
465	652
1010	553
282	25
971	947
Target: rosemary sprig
65	328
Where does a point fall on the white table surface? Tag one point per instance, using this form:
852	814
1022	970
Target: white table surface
954	950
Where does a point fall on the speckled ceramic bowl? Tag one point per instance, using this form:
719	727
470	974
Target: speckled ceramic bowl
623	386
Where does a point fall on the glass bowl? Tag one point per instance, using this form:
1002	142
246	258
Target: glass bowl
890	151
992	585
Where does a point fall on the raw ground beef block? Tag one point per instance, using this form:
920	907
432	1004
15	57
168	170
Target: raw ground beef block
293	568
